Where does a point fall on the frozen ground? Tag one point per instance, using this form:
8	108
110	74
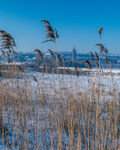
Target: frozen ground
77	83
51	83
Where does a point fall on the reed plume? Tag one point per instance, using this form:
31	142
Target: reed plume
51	52
96	54
92	56
7	43
107	60
100	31
102	48
20	68
51	33
34	78
86	62
39	53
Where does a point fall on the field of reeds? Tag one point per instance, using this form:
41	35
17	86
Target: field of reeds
59	112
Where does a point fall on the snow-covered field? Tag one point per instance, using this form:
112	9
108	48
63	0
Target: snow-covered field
52	85
108	80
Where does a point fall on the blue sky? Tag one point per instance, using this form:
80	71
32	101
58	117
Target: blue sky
77	22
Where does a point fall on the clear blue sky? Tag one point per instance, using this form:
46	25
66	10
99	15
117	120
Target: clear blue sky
77	22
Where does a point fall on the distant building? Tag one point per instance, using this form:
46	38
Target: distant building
74	53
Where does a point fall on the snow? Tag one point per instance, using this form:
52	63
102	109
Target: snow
51	83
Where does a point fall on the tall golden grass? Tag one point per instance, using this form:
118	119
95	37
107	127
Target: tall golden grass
58	114
33	117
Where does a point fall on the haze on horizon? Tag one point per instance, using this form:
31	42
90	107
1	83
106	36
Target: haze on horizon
77	23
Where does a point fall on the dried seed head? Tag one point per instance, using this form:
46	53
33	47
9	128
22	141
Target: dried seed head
51	32
88	64
51	52
92	56
102	48
100	31
39	52
97	56
7	42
